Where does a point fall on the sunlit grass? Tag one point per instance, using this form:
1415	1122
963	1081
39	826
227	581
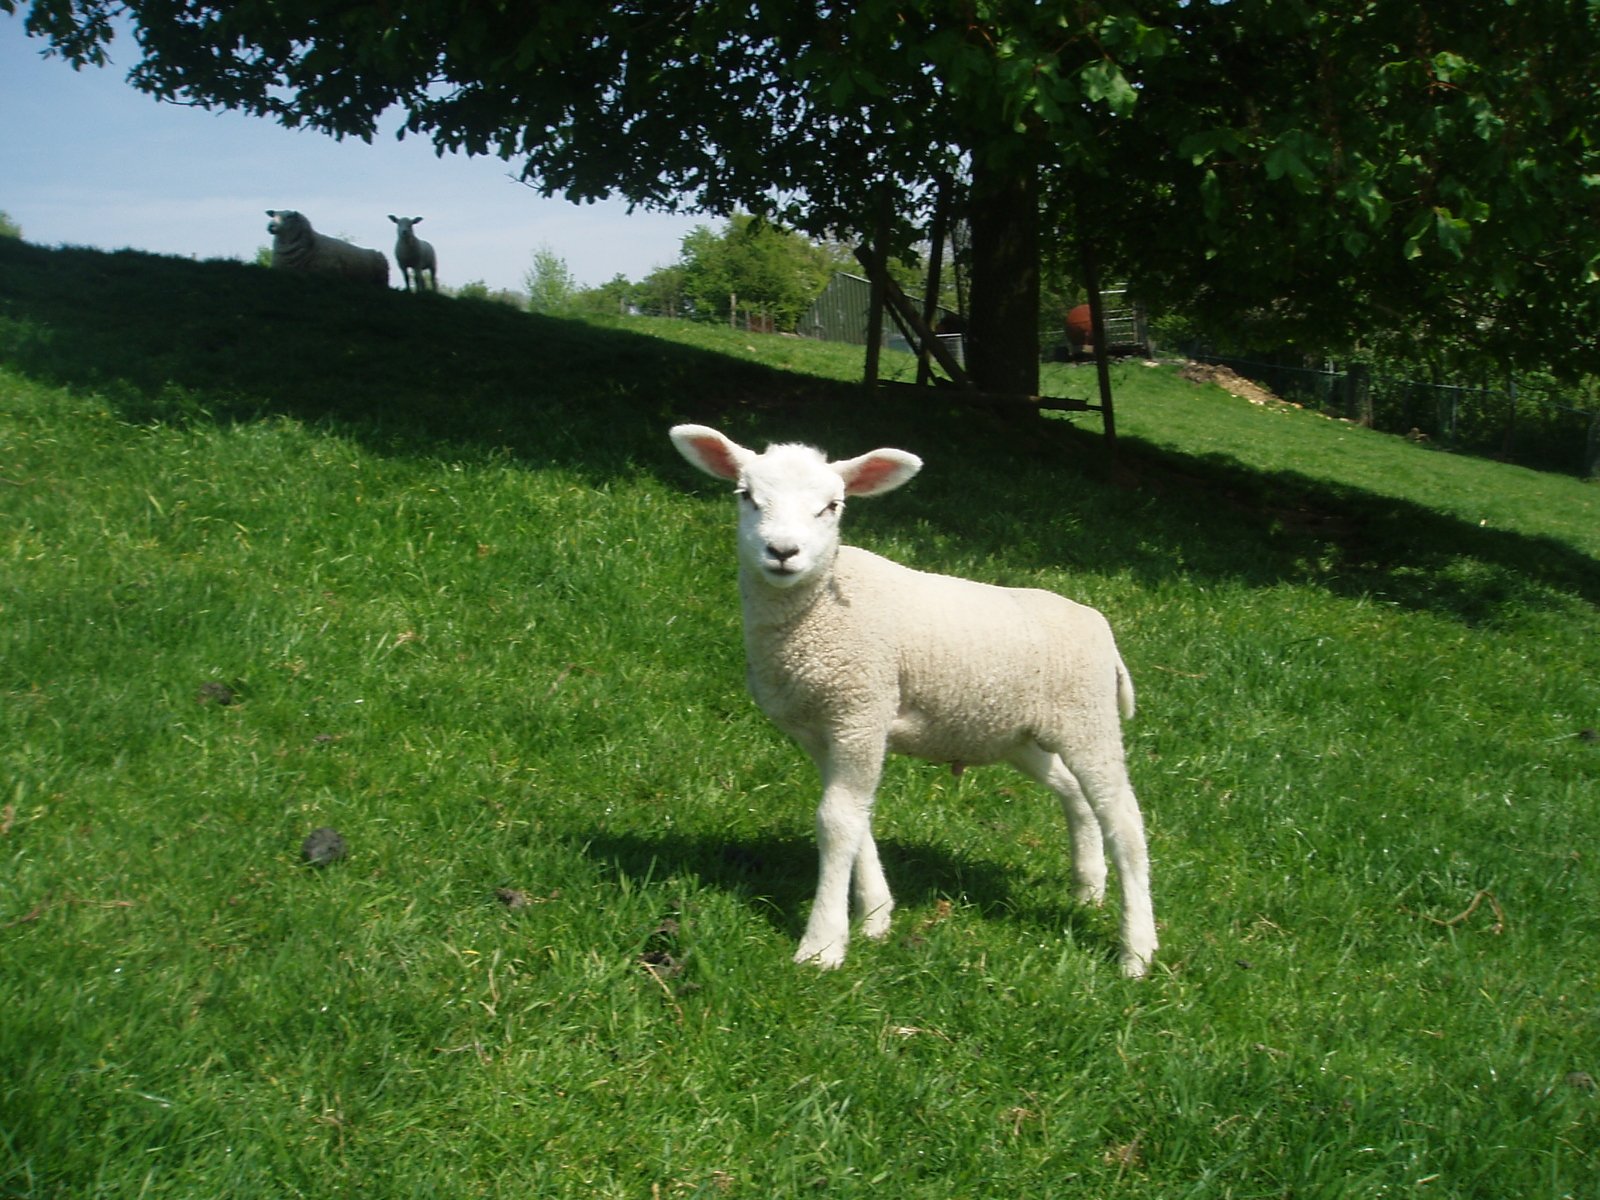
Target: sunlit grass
1156	407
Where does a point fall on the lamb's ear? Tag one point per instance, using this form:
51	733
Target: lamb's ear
710	451
877	472
394	218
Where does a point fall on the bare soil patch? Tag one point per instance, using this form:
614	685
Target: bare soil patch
1232	383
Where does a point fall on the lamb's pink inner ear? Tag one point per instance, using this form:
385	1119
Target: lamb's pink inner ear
870	476
717	458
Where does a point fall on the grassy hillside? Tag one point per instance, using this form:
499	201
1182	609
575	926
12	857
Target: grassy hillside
277	554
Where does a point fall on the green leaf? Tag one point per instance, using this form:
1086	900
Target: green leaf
1198	147
1211	195
1292	154
1105	81
1365	197
1448	66
1453	232
1415	232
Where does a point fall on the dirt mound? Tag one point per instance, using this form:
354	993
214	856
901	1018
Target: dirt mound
1230	382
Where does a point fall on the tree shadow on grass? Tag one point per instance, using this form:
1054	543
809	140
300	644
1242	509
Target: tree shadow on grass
1360	543
175	341
169	340
1054	500
777	877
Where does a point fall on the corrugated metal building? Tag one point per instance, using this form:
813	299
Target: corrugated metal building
843	311
840	313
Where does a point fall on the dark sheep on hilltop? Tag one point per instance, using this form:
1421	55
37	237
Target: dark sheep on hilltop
298	247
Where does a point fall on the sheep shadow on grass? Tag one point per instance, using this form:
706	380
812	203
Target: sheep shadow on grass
777	877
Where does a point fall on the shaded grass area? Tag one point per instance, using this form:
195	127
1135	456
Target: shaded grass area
169	341
280	554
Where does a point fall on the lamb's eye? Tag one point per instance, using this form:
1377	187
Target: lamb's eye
744	494
832	508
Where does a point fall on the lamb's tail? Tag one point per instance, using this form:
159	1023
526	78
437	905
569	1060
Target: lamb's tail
1124	689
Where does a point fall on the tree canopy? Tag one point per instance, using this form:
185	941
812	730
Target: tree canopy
1306	170
757	267
1335	171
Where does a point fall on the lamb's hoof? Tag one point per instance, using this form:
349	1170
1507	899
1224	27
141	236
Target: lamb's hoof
1135	966
1088	895
876	924
824	958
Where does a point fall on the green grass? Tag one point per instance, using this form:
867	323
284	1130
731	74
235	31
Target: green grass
471	610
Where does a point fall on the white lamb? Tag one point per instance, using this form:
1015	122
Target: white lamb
853	655
414	255
298	247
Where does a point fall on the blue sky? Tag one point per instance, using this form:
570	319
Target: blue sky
86	160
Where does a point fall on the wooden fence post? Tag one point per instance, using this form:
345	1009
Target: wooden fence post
876	274
1358	385
1097	322
930	296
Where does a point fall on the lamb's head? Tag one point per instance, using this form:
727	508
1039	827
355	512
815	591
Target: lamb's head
405	224
790	498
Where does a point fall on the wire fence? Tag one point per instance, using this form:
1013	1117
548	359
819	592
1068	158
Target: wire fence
1532	421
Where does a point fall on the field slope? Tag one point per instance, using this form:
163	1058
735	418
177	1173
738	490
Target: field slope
278	554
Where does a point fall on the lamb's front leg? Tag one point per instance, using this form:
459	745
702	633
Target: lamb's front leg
845	846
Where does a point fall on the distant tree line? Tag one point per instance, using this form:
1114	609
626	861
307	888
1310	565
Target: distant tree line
1456	389
748	271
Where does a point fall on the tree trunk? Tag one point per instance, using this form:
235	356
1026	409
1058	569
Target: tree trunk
1358	394
1003	323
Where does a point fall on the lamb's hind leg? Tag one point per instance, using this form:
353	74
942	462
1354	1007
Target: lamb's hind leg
1102	784
1088	855
1115	806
